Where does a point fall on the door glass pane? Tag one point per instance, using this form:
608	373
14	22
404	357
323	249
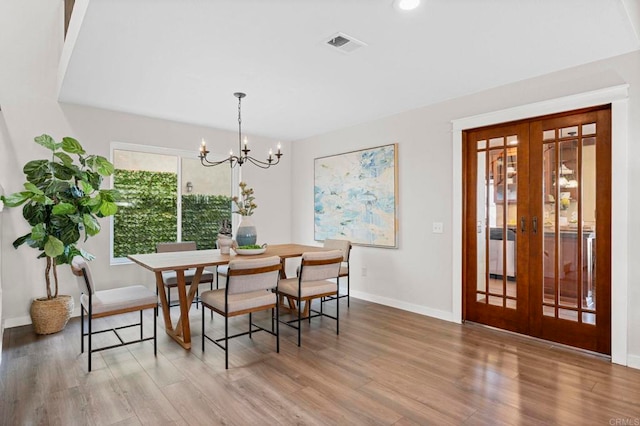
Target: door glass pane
496	142
550	193
496	301
568	131
502	219
567	314
570	240
588	181
589	318
481	221
548	311
589	129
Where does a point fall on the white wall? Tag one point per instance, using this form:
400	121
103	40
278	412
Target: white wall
30	108
418	275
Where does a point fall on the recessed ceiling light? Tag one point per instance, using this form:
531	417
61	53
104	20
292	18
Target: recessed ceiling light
406	4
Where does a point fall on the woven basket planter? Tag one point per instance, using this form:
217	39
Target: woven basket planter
51	315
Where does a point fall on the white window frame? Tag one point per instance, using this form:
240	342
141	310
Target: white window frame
179	154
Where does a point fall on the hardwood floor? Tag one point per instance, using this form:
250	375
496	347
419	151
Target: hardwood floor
387	367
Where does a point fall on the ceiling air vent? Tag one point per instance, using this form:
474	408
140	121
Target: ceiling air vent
344	43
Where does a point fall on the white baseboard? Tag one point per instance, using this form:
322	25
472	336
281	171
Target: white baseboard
633	361
394	303
26	320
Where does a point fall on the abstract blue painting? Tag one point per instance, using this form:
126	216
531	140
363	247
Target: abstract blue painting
355	196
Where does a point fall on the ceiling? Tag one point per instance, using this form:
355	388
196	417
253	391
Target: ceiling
182	60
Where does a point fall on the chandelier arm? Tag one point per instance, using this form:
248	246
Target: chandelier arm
208	163
258	163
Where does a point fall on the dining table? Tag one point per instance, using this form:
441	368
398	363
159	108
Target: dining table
180	261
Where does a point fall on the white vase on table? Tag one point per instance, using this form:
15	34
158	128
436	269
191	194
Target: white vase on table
246	233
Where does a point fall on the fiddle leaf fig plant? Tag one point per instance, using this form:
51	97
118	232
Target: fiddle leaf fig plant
62	203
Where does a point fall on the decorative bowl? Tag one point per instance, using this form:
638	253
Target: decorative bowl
249	252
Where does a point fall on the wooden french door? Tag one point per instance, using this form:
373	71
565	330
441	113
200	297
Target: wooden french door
536	194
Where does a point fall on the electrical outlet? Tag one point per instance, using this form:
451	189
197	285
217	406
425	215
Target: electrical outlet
438	227
364	271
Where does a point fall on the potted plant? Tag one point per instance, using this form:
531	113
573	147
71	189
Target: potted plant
62	203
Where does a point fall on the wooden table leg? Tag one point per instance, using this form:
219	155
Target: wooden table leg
182	332
164	303
186	300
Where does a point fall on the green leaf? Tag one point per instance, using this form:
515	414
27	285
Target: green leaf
56	187
108	208
72	146
62	172
34	213
38	232
42	199
110	195
65	158
16	199
46	141
91	225
64	208
36	170
93	201
103	166
86	254
70	234
32	188
20	241
86	187
53	247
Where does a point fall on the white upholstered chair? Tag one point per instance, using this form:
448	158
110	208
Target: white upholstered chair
251	286
318	270
103	303
170	279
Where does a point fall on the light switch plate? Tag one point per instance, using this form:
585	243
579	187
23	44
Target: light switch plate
438	227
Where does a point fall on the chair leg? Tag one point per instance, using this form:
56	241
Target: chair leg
338	309
299	320
89	339
81	329
348	290
277	327
155	331
141	326
157	296
226	342
203	328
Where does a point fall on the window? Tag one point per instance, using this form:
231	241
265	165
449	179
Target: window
166	195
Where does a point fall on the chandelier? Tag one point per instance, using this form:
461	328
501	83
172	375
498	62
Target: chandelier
243	155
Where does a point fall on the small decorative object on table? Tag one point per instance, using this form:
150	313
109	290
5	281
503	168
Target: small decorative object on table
224	237
250	249
246	233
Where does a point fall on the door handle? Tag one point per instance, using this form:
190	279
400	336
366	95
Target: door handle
523	224
534	224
